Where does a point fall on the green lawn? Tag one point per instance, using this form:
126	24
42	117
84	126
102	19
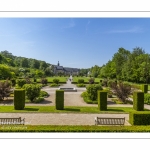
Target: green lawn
50	79
67	109
86	79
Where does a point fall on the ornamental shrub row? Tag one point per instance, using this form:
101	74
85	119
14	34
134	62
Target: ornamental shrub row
139	118
138	101
102	100
59	99
19	99
144	88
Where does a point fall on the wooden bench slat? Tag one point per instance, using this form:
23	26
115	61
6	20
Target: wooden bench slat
109	121
14	121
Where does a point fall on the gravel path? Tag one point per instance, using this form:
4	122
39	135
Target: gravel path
71	99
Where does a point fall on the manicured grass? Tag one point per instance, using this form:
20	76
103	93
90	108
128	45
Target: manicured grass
72	128
86	79
67	109
50	79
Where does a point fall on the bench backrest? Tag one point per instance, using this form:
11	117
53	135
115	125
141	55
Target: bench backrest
110	121
11	121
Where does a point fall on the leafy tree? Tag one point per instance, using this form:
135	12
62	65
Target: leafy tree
122	91
5	72
24	62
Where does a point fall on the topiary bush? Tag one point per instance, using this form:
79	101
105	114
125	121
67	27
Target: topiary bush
80	81
21	82
59	99
138	101
32	91
102	100
81	85
54	85
43	94
19	99
147	98
56	81
144	88
139	118
92	91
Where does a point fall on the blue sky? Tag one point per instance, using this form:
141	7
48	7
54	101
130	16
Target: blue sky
74	42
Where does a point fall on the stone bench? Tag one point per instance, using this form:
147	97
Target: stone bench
109	121
14	121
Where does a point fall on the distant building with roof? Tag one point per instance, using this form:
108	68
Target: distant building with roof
65	70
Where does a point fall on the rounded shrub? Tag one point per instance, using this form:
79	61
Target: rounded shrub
92	91
80	81
56	81
21	82
32	91
19	99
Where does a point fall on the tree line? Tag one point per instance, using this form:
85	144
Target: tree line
132	66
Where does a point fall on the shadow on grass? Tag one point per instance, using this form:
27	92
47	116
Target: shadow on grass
120	110
31	109
72	109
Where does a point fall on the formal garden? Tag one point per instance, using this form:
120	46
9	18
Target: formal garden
105	90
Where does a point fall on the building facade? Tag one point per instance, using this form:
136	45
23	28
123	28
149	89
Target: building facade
65	70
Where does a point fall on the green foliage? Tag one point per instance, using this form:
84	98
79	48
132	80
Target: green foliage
102	100
56	81
138	101
92	91
54	85
32	91
147	98
38	99
44	81
91	80
5	72
19	99
145	88
21	82
139	118
80	81
122	91
85	97
13	81
59	99
43	94
81	85
4	89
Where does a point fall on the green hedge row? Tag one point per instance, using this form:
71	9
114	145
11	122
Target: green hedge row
102	100
139	118
19	99
138	101
73	128
59	99
145	88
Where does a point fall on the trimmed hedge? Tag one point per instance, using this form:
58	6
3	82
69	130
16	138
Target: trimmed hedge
138	101
19	99
59	99
102	100
73	128
139	118
80	81
145	88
